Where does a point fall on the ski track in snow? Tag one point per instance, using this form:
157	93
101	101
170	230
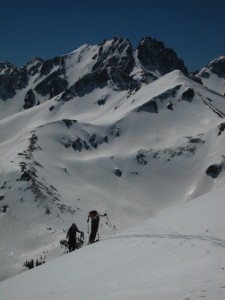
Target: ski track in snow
213	240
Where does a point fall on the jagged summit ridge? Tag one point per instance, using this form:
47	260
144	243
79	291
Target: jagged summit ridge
110	62
213	75
217	66
113	62
155	56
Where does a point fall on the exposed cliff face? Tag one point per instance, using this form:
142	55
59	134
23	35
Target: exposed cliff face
155	56
218	66
11	80
117	53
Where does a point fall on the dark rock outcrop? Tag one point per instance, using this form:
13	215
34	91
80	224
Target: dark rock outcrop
48	65
6	68
91	143
218	67
26	176
12	79
118	55
95	79
214	170
77	145
221	128
52	85
118	172
34	66
29	100
69	123
86	84
141	158
150	106
153	55
188	95
7	89
170	106
122	80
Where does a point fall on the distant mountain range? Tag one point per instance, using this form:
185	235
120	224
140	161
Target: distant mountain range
125	131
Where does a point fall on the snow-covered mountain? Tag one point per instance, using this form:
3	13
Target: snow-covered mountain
213	75
108	127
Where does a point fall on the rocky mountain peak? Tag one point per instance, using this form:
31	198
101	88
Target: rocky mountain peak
6	68
115	53
155	56
217	66
11	79
113	62
213	75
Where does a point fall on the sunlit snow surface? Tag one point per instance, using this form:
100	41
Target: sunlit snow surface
174	173
210	78
180	254
165	257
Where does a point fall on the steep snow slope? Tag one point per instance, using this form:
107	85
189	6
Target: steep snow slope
179	254
135	155
213	75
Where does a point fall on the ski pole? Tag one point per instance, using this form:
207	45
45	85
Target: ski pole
114	229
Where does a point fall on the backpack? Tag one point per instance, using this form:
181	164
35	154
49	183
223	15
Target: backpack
93	214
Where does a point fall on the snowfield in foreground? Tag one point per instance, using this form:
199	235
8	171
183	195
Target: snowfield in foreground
179	254
131	157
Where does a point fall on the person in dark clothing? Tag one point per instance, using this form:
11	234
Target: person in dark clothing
71	236
95	218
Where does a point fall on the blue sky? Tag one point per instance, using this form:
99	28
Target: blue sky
195	29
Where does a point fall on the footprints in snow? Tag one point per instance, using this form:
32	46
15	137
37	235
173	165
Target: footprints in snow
213	240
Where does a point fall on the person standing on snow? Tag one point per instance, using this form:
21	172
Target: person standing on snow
71	236
95	218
